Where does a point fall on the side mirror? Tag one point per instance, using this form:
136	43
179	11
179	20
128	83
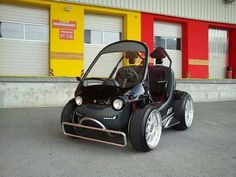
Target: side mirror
78	79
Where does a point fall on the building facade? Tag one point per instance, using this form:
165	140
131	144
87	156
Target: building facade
59	38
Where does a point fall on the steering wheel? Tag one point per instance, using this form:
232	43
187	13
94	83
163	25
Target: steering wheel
127	77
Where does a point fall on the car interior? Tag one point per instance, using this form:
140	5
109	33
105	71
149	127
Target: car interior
160	77
160	82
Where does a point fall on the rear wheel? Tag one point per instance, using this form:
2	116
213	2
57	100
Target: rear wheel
184	110
145	128
69	115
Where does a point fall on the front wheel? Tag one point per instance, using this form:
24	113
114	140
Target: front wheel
145	128
69	115
183	110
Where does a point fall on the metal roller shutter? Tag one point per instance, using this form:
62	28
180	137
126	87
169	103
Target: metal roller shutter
103	22
218	53
170	35
24	40
102	30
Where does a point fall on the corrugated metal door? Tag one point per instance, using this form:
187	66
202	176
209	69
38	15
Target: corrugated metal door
218	53
100	30
23	40
169	36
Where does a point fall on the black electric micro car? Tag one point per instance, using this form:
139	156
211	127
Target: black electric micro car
121	95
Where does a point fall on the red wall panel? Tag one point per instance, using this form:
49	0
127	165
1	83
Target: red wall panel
232	50
147	30
185	51
198	39
197	44
198	71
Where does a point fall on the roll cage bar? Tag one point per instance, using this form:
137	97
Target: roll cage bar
123	46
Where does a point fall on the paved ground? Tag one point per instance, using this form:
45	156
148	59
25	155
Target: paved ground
32	144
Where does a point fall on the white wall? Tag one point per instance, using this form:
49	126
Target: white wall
209	90
35	92
50	92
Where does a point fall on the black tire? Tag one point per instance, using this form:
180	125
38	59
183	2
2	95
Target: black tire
68	115
181	99
137	128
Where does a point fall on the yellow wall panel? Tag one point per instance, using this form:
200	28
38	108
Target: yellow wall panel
66	68
132	24
75	14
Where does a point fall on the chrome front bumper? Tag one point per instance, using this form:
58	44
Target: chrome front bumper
109	133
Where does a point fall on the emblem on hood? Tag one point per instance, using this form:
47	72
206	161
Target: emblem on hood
110	118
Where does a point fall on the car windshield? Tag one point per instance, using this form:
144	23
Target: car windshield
123	67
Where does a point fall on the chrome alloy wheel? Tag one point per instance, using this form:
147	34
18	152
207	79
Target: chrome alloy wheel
189	112
153	129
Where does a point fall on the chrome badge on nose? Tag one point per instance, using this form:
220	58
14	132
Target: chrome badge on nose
110	118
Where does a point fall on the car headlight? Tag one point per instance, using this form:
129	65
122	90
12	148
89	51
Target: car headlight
78	100
118	104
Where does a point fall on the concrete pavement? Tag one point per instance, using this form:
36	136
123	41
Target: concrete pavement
32	144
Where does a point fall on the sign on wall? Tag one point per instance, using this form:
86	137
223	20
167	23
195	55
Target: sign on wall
66	29
66	34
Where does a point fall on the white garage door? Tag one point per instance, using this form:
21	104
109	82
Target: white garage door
100	30
168	36
23	40
218	52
